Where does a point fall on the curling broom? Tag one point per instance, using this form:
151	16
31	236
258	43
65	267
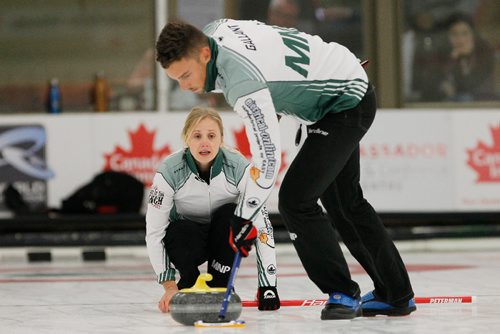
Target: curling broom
418	300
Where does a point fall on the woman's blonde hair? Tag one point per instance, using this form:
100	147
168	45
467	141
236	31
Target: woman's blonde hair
196	115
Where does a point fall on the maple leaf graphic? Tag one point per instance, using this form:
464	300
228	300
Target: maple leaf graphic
485	160
141	160
242	144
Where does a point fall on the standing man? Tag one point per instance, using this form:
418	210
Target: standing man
265	71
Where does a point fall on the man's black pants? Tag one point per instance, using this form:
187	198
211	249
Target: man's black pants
327	168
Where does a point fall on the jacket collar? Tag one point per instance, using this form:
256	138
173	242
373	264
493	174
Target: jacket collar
214	170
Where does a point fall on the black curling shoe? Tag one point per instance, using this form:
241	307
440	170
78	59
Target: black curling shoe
341	306
372	305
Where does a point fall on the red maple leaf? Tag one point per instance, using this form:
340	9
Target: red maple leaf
242	144
142	159
485	160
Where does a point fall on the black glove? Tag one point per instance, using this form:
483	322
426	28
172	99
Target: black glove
268	298
242	234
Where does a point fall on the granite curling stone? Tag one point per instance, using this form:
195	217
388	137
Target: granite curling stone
202	302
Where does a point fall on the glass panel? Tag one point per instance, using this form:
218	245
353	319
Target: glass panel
333	20
450	51
73	40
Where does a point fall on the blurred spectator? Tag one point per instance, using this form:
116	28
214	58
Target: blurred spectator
422	51
340	21
470	62
440	10
334	21
253	10
268	11
283	13
424	45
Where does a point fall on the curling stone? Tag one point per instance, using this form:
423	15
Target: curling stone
202	302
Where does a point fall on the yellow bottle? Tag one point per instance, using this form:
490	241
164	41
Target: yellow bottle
101	93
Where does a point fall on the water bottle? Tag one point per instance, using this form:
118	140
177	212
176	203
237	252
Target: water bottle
101	92
54	97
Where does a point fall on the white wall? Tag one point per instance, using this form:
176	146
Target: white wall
412	160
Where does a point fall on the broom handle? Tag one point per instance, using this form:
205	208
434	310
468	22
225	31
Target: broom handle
418	300
230	285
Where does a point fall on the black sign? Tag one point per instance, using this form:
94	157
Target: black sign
23	164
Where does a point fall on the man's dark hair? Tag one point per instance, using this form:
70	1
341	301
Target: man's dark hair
177	40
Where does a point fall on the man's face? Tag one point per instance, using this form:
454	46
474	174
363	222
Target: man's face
190	72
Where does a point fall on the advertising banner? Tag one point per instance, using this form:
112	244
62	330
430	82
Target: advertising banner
476	140
23	163
406	161
411	160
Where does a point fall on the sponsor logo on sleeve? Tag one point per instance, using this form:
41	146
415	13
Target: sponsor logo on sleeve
267	221
271	269
242	144
265	145
156	197
253	202
265	237
254	173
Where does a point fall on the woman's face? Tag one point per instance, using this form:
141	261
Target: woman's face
462	38
204	142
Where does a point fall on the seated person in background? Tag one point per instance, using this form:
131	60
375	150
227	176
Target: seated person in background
283	13
469	68
422	54
192	200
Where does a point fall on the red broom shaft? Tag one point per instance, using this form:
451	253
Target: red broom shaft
418	300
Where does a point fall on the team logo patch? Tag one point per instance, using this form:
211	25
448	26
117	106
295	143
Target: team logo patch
156	197
268	294
271	269
254	173
264	237
253	202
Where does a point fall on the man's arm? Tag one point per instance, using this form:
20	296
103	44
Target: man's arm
262	128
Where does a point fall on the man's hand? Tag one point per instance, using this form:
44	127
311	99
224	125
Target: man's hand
170	290
268	298
242	234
